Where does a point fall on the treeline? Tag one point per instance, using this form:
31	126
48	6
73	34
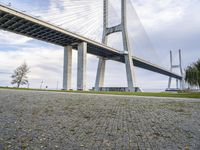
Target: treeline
193	74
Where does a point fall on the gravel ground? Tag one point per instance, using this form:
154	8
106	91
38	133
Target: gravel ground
47	120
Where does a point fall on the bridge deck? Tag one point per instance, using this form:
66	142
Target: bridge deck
20	23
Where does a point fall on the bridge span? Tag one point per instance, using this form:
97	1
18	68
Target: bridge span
20	23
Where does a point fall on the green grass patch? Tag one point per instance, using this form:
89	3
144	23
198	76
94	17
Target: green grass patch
160	94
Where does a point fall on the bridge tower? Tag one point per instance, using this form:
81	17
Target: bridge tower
122	27
179	66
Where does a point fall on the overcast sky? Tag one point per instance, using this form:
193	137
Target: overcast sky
169	24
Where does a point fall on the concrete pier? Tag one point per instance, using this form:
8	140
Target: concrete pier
67	68
129	73
82	61
100	74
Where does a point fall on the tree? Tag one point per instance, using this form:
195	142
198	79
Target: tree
19	76
193	74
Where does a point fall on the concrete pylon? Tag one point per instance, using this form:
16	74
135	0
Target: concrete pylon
170	78
67	68
128	57
102	61
82	61
122	27
182	82
172	66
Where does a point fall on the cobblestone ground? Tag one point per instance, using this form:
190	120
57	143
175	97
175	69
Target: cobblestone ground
43	120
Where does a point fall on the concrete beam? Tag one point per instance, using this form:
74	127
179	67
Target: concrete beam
67	68
81	72
113	29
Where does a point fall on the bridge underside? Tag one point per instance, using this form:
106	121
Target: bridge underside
19	23
16	22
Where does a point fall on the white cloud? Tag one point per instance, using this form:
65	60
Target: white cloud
12	39
157	14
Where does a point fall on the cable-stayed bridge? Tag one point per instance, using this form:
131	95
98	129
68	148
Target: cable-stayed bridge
21	23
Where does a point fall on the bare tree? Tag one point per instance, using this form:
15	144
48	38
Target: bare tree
19	76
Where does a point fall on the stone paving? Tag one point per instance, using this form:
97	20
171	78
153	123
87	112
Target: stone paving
44	120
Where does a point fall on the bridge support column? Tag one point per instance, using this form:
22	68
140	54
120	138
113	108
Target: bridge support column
128	60
81	72
67	68
177	84
181	85
102	61
182	82
129	73
169	82
100	74
122	27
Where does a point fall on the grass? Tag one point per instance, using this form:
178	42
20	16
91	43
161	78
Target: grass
161	94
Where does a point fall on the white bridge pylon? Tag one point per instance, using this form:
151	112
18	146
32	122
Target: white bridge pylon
122	27
179	66
82	50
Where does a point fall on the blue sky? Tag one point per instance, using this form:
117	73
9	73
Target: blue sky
170	25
